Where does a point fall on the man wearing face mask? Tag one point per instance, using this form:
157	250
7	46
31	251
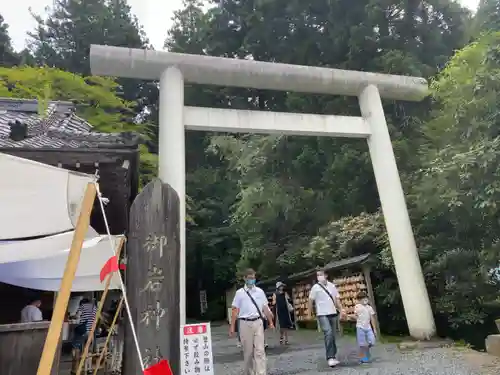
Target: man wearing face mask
250	308
324	297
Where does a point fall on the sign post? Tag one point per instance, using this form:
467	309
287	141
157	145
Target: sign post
203	302
153	278
196	348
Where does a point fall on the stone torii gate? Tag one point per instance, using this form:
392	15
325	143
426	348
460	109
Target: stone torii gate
173	70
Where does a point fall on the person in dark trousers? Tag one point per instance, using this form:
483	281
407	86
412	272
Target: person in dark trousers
325	299
284	311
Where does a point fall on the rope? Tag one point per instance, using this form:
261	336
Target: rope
98	314
108	338
122	285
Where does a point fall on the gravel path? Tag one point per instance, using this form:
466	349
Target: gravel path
305	356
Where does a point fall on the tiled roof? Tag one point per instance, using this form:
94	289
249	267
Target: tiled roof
60	128
332	266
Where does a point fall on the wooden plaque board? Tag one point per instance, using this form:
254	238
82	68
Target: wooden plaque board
152	278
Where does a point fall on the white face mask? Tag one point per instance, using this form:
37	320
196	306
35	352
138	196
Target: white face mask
364	301
321	278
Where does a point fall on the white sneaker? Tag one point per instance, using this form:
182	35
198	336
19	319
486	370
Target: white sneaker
332	362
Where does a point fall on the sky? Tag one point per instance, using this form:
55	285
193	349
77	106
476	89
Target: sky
154	15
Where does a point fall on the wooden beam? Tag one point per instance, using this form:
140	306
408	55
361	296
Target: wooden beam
371	296
61	306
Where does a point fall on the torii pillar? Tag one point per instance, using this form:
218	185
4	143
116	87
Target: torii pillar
173	70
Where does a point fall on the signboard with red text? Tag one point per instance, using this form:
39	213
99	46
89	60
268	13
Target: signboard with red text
196	349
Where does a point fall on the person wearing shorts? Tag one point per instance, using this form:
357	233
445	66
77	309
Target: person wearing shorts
364	315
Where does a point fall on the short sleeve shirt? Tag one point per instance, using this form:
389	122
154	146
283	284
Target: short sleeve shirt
324	304
364	314
31	314
247	309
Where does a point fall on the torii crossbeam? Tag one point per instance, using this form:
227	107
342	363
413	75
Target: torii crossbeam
173	70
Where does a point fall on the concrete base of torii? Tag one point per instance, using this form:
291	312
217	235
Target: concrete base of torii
173	70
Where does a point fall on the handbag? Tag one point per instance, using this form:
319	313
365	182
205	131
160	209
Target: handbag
264	321
289	306
329	295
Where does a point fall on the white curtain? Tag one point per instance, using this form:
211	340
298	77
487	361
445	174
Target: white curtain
38	199
40	263
17	251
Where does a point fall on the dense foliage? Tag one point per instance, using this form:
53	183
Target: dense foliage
282	204
305	201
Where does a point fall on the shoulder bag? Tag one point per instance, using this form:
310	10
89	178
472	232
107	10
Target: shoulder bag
264	321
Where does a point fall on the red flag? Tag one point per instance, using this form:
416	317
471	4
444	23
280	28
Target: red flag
109	267
161	368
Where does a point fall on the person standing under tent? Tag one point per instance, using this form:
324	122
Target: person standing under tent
250	308
284	311
32	313
325	298
86	315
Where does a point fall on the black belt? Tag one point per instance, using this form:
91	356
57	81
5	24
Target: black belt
249	319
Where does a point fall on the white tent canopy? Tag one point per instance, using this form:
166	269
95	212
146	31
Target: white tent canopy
38	199
39	264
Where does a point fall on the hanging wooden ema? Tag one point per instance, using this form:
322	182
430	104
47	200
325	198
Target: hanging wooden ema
348	288
55	328
301	301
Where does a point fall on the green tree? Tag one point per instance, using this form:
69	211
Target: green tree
290	186
454	202
487	17
462	172
7	55
63	40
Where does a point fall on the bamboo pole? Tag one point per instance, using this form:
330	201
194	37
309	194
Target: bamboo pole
105	349
61	305
99	310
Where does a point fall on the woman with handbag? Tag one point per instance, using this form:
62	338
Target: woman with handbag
284	311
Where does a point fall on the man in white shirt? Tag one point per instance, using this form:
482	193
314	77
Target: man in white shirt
250	308
32	313
324	297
